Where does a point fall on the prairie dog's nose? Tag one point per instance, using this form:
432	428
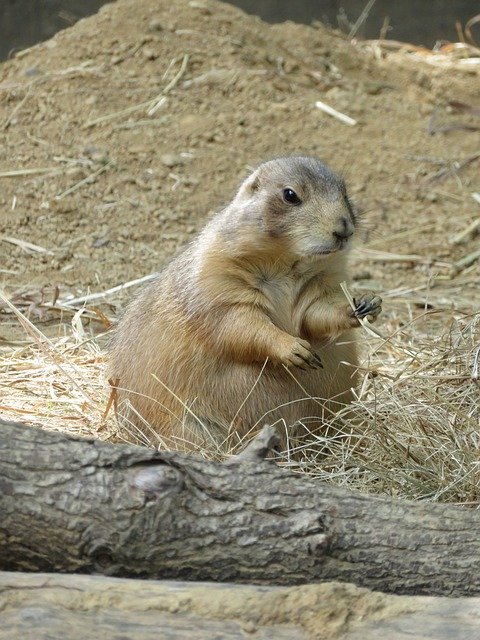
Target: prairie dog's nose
345	229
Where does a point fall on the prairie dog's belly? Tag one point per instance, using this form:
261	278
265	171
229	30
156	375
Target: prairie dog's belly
245	395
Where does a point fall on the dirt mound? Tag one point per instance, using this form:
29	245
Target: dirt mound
124	132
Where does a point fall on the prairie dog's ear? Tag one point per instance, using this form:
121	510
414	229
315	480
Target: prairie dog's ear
254	182
250	185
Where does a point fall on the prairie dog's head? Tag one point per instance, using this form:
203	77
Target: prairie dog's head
301	202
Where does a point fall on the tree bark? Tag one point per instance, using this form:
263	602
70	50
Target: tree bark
55	607
86	506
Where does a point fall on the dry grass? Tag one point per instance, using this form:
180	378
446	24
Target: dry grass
414	432
446	55
56	383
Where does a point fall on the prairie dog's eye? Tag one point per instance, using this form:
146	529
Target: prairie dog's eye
290	196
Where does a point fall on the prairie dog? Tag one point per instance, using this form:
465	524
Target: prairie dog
248	324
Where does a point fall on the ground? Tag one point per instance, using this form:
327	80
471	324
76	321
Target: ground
122	134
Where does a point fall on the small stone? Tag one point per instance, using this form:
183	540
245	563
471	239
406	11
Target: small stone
155	25
290	66
170	160
374	88
100	242
64	206
249	626
150	54
362	275
200	6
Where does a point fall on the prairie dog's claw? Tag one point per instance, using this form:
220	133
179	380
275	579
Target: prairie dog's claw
369	305
302	356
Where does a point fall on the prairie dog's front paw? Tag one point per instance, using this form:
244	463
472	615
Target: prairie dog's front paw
369	305
300	354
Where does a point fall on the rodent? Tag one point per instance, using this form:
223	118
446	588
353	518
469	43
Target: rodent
248	324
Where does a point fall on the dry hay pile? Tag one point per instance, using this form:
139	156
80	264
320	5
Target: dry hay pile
123	133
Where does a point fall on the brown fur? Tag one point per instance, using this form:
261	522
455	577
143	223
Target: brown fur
199	352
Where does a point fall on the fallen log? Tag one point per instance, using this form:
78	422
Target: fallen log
85	506
55	607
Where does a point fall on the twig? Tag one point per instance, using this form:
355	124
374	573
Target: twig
467	233
27	246
88	179
361	18
116	114
18	107
128	54
465	262
453	168
144	122
336	114
476	364
112	400
160	99
16	173
151	112
383	256
468	28
385	28
433	127
102	294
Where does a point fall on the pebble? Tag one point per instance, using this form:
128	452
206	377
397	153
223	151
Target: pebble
155	25
150	54
200	6
171	160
